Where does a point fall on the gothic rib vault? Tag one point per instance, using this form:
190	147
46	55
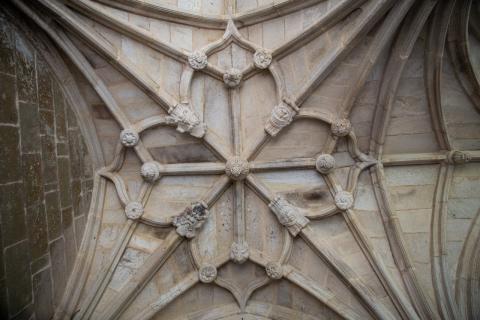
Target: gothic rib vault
293	161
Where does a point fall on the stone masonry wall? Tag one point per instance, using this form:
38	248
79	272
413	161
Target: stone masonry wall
45	182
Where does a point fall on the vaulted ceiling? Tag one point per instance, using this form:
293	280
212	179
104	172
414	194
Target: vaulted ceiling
260	159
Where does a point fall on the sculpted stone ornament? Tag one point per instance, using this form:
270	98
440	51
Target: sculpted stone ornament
341	127
237	168
458	157
325	163
186	120
239	252
207	273
274	270
129	137
191	219
262	58
288	215
197	60
134	210
282	115
343	200
150	171
232	77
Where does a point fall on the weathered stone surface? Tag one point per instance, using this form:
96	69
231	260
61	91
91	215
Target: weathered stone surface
33	134
7	99
7	48
42	292
54	215
37	230
12	213
32	177
44	83
25	70
49	160
59	268
60	116
17	271
30	127
10	161
64	184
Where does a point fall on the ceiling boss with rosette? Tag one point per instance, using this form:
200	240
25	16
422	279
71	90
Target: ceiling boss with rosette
274	159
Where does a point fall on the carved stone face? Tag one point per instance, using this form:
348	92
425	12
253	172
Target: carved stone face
239	252
232	78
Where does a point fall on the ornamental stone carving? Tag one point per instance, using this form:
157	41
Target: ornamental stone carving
343	200
282	115
274	270
262	58
207	273
186	120
341	127
325	163
458	157
129	137
239	252
134	210
232	77
237	168
197	60
191	219
150	171
288	215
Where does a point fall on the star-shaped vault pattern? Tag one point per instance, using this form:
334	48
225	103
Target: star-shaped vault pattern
238	166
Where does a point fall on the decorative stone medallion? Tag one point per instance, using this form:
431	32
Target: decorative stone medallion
343	200
325	163
134	210
191	219
232	78
341	127
237	168
239	252
197	60
274	270
150	171
129	137
207	273
262	58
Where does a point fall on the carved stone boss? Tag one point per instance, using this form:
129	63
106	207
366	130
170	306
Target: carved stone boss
191	219
288	215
